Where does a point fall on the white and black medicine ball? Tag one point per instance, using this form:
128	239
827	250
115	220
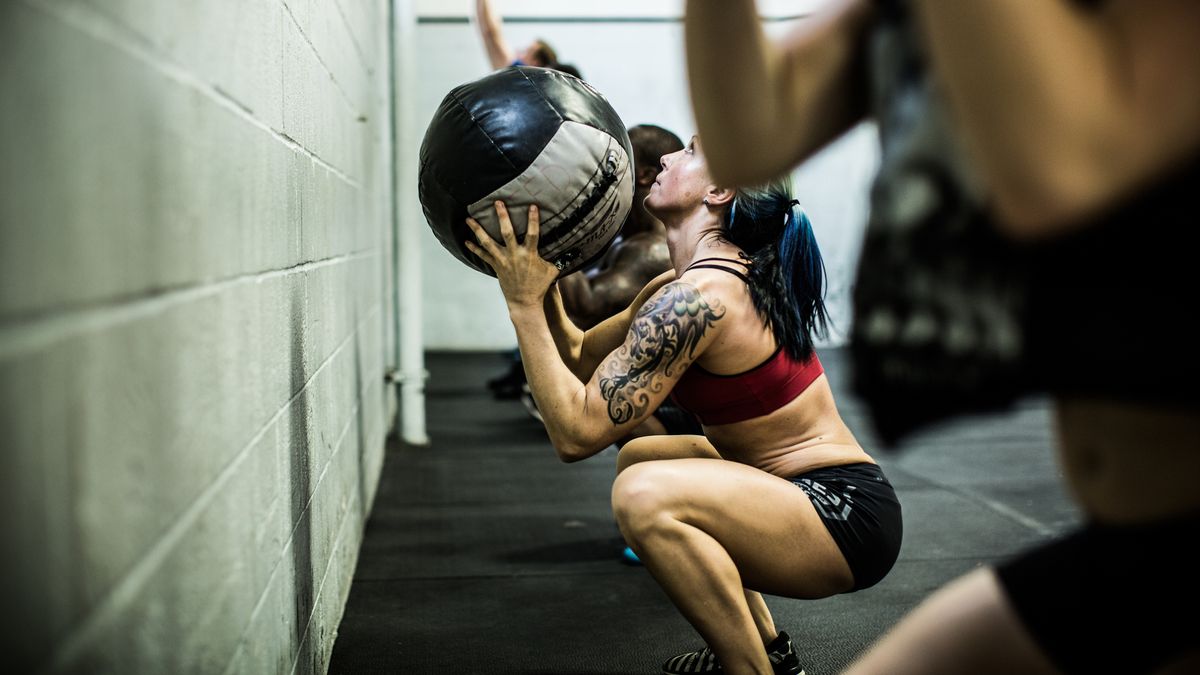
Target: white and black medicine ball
526	135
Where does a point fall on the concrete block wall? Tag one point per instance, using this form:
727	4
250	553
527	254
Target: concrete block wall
195	321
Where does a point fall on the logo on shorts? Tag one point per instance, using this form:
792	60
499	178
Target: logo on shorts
828	503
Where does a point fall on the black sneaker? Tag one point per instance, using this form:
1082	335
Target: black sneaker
781	653
784	660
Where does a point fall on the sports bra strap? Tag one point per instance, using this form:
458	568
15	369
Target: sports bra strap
730	260
734	272
696	264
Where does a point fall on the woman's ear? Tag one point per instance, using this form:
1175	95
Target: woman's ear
718	196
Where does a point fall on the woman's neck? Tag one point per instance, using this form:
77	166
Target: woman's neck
696	237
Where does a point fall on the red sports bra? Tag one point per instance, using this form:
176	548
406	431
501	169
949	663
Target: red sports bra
724	399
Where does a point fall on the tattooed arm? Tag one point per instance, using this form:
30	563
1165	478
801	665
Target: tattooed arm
667	334
582	350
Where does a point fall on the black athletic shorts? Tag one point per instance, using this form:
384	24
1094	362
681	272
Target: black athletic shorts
861	511
1111	599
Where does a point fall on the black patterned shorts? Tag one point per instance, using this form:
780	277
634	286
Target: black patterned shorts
861	512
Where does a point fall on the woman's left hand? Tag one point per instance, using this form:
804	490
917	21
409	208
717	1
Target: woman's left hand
524	277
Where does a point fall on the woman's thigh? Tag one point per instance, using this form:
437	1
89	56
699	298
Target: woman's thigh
967	626
767	525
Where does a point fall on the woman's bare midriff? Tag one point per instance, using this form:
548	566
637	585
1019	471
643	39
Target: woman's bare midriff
1128	463
803	435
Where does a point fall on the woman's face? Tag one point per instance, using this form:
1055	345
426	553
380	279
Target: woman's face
682	183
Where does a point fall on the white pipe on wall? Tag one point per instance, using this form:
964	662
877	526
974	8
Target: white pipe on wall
409	297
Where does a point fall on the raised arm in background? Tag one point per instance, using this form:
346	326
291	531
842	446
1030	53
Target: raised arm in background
498	51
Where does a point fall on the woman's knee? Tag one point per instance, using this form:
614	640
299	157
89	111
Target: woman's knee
640	497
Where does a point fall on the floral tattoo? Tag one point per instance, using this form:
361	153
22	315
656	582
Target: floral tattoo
661	343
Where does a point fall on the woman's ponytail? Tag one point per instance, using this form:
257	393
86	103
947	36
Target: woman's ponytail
800	259
787	274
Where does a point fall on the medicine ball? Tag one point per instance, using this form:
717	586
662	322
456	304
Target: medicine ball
526	135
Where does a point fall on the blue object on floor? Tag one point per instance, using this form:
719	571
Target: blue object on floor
629	557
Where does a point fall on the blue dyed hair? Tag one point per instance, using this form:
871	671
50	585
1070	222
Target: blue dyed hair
787	274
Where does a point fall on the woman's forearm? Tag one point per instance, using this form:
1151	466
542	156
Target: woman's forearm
559	393
762	106
568	338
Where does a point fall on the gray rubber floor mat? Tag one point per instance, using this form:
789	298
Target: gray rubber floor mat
485	554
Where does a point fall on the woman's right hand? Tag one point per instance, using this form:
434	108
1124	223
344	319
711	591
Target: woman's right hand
524	276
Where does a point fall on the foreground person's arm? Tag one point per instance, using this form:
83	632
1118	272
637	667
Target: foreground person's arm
1065	109
762	106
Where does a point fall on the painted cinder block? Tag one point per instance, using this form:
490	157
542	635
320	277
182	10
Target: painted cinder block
271	638
322	629
327	31
182	606
233	45
164	418
193	328
123	180
43	591
182	610
315	114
